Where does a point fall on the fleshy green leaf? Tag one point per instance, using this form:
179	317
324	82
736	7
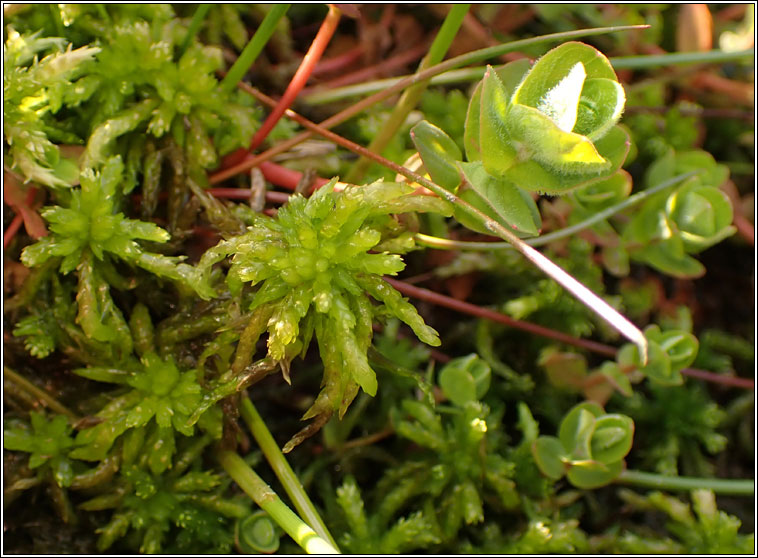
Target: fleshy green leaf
576	428
537	177
439	153
555	66
612	438
465	379
550	456
702	215
560	151
510	76
600	107
499	199
593	474
497	151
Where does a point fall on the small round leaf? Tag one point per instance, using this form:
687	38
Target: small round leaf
256	533
577	427
550	456
593	474
458	385
612	438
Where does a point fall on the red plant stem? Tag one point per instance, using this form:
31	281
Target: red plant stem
242	194
600	348
288	178
322	38
397	61
25	213
284	177
740	114
338	62
12	229
473	310
744	228
719	378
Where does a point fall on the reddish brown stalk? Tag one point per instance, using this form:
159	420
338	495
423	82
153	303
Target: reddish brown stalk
746	115
297	83
595	347
744	227
12	229
338	62
23	204
739	92
733	381
397	61
242	194
317	128
473	310
284	177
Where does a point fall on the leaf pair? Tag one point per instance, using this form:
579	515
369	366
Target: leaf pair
548	129
590	447
669	352
697	215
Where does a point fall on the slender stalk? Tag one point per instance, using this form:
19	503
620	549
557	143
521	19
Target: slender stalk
477	72
194	26
462	60
338	62
12	229
321	96
737	487
324	35
669	59
282	469
254	47
723	379
38	393
261	493
492	315
447	244
411	96
387	66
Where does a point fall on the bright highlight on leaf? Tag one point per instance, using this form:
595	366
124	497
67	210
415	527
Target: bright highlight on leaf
561	103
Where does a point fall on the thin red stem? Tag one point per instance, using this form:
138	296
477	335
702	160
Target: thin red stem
12	229
474	310
284	177
733	381
398	61
338	62
242	194
600	348
298	81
